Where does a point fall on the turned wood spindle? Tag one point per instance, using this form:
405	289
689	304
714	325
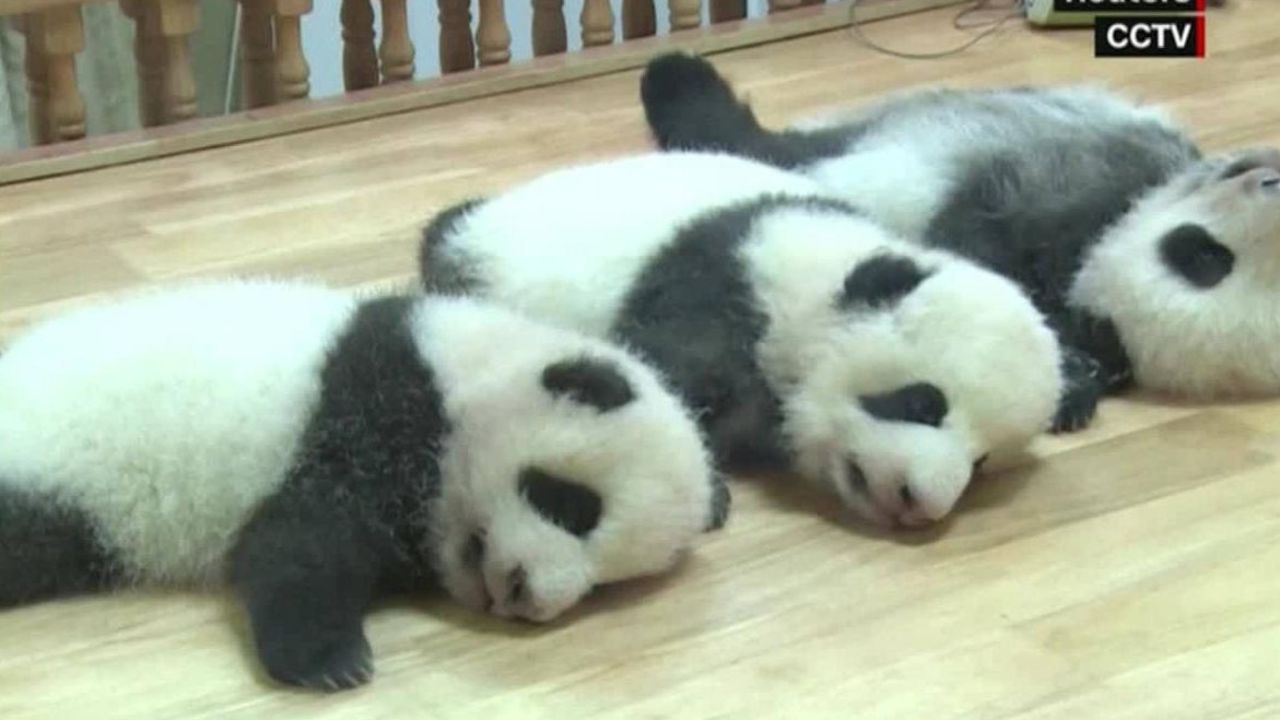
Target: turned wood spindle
39	124
55	36
597	23
396	50
638	19
176	20
293	75
359	57
685	14
725	10
457	52
549	35
149	56
257	53
493	38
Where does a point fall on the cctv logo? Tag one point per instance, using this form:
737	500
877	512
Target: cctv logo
1143	28
1148	37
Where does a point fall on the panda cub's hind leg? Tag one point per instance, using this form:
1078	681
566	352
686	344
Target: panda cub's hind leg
306	574
48	549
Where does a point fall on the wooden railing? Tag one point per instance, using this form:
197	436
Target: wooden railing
273	65
275	75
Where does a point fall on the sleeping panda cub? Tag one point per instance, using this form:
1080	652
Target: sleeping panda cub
319	450
803	335
1153	263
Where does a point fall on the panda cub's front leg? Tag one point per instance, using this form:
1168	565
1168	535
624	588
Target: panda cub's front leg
1082	390
306	572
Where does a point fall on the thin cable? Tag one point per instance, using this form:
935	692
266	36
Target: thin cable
1013	9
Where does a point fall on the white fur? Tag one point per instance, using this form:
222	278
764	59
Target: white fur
568	246
970	332
904	167
169	416
645	459
1216	342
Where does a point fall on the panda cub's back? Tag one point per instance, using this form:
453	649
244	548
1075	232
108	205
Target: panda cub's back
575	270
167	417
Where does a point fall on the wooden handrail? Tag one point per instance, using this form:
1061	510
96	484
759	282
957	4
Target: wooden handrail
276	71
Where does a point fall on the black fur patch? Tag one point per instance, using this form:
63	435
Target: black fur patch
443	268
690	107
881	282
693	313
350	521
1083	390
588	381
568	504
1191	252
48	549
922	403
721	503
1094	363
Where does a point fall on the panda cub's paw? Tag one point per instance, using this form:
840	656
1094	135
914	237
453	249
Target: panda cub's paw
327	659
1084	390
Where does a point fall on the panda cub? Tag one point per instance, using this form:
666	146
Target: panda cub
803	335
1154	264
318	450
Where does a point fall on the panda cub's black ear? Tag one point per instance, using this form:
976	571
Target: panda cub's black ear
880	282
1194	254
588	381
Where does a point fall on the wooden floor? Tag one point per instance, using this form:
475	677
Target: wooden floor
1132	571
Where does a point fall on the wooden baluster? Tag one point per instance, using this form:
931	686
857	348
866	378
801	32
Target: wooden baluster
725	10
39	123
783	5
548	27
148	54
292	72
257	53
638	19
685	14
359	58
55	36
597	23
492	35
396	50
176	20
457	52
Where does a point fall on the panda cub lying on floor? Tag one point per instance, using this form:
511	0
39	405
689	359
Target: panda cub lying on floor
319	450
1153	263
803	335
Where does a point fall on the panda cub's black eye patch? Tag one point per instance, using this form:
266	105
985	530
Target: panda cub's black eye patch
1192	253
881	281
588	381
574	508
920	403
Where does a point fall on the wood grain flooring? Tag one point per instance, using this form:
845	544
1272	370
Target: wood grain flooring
1131	571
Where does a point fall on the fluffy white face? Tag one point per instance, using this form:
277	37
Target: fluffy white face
1189	277
901	368
569	464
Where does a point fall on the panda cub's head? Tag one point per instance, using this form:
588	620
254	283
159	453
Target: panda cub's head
568	464
1190	277
913	366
